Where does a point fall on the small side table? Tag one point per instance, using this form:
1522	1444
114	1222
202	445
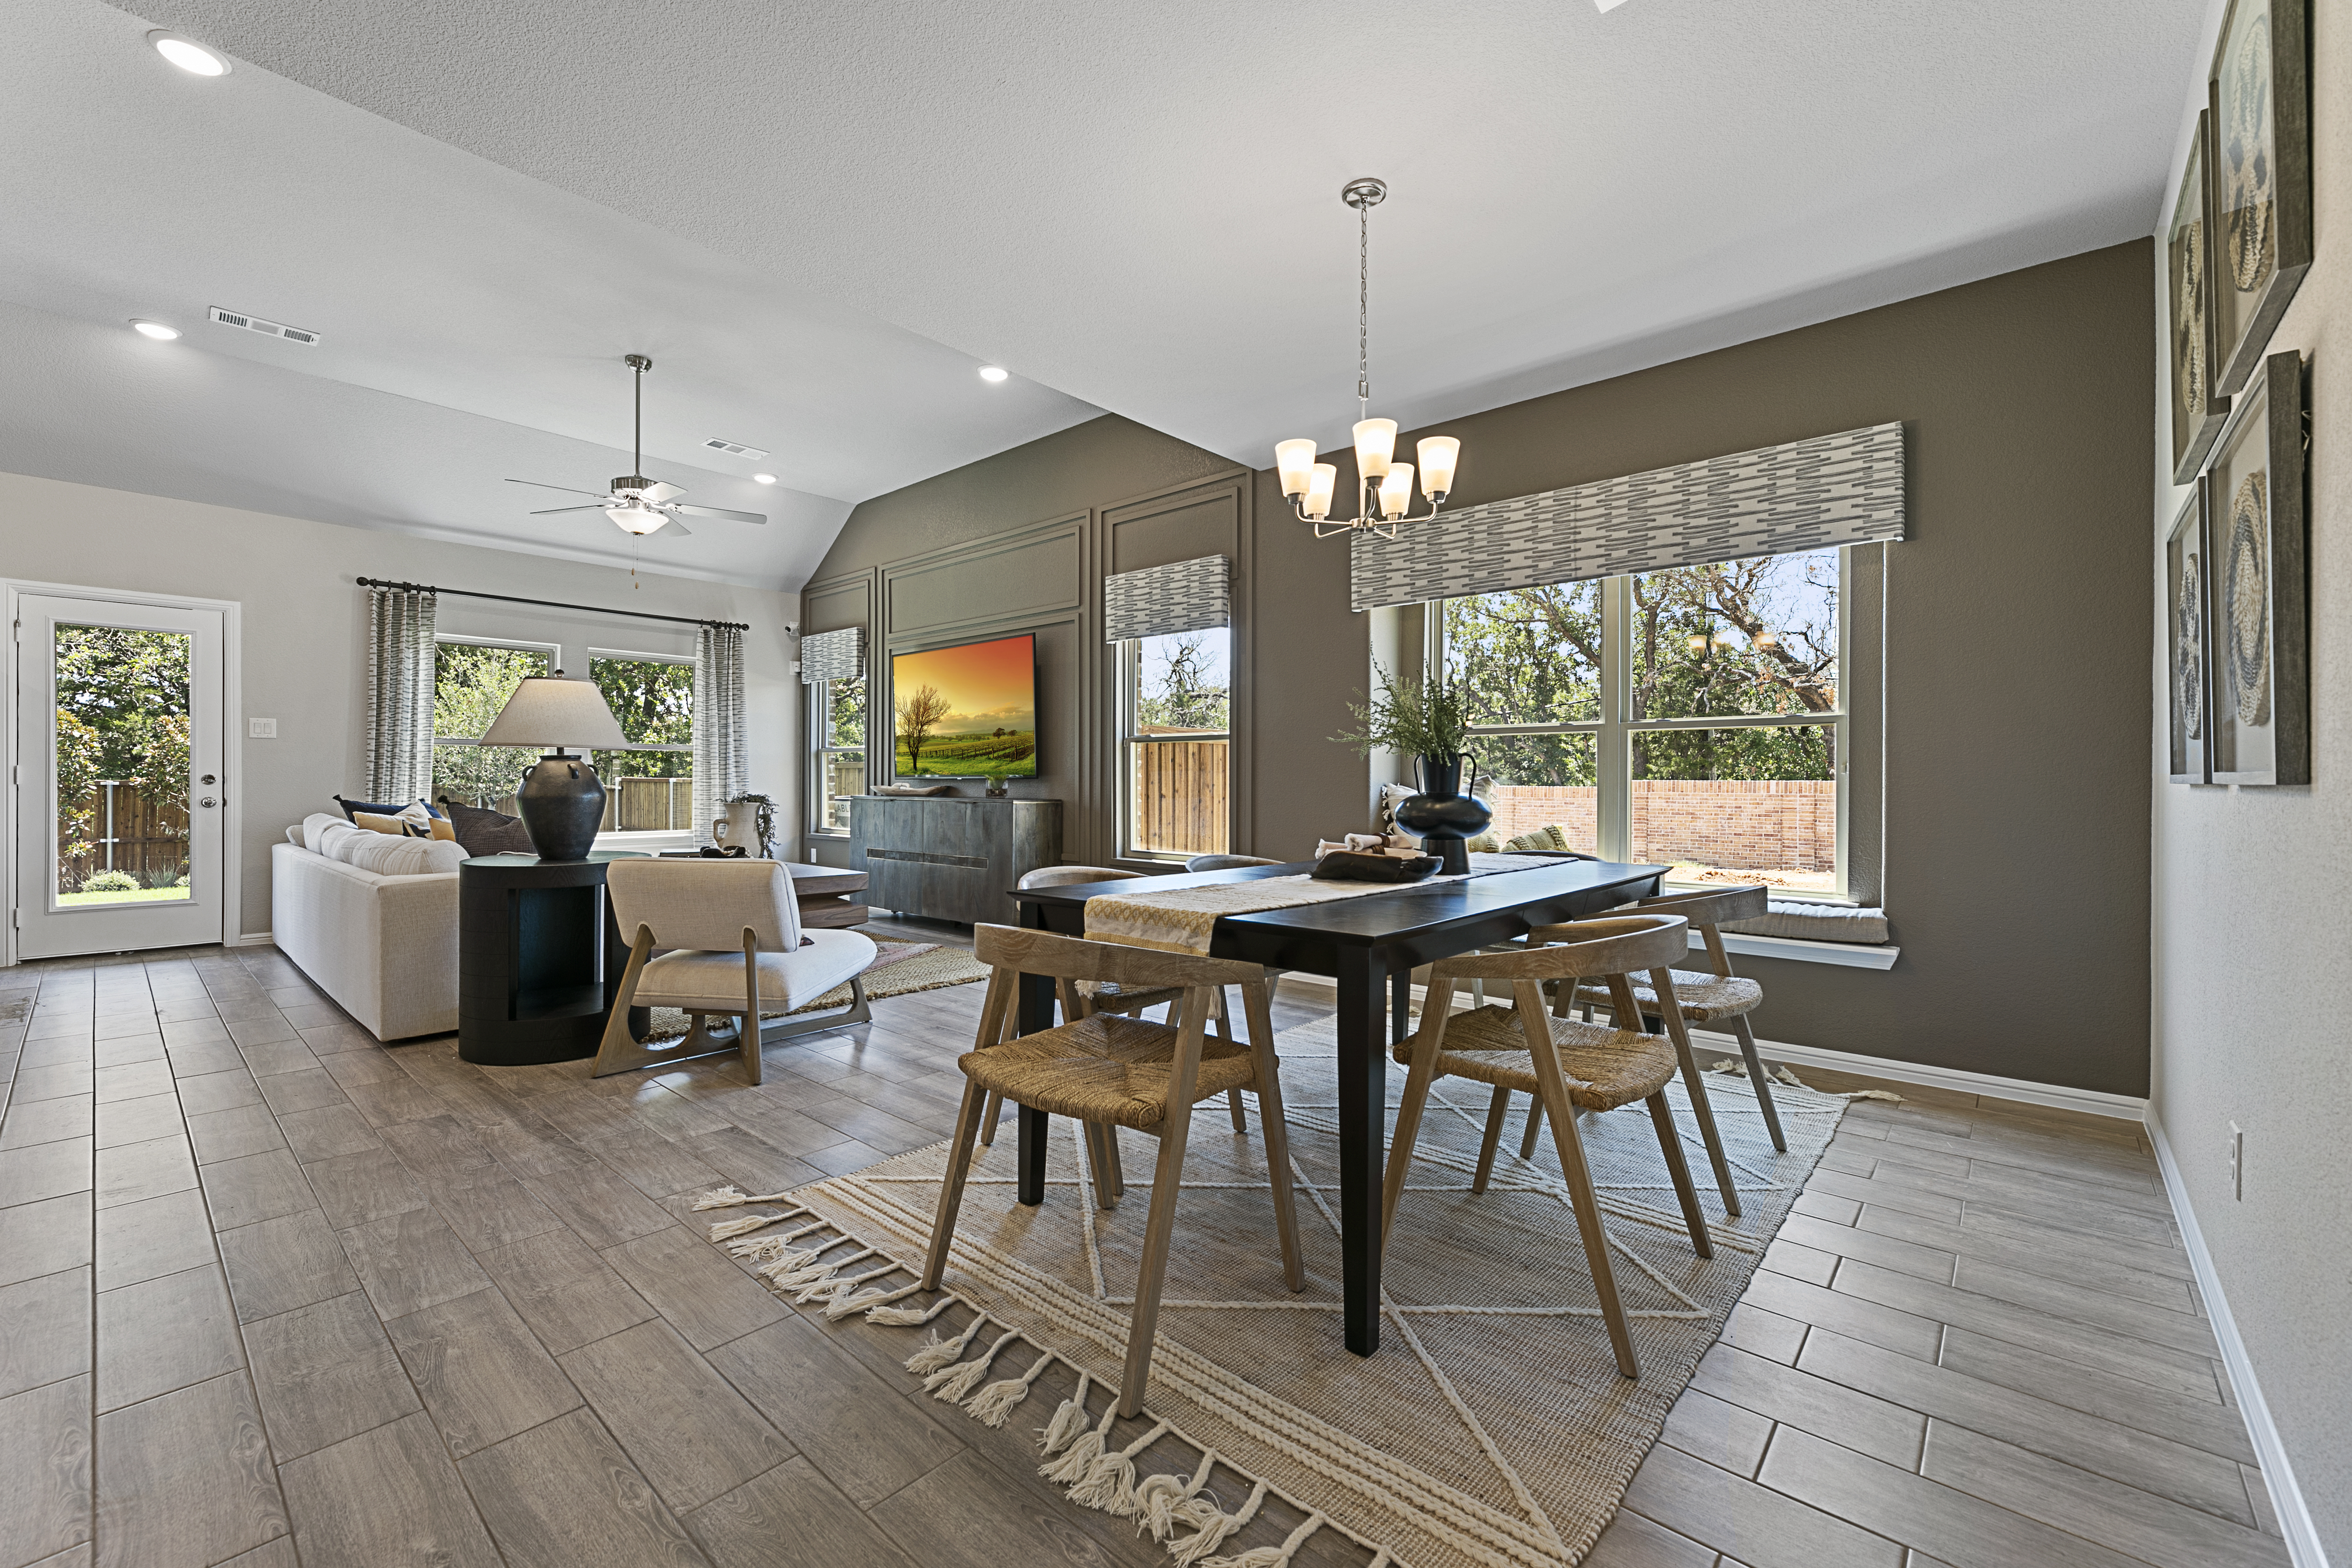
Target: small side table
539	958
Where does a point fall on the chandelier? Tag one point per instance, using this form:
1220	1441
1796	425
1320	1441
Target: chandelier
1383	486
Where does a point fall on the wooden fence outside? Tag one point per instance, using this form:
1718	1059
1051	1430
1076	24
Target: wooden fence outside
1182	800
148	840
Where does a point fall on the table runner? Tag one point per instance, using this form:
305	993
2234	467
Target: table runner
1181	920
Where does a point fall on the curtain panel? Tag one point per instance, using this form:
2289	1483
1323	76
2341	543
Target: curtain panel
832	656
1845	488
1182	597
721	748
400	694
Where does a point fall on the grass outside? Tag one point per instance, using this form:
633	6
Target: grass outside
1011	755
144	896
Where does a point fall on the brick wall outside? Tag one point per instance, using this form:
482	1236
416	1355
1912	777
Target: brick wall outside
1783	826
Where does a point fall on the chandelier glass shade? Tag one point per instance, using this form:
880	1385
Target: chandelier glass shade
1384	484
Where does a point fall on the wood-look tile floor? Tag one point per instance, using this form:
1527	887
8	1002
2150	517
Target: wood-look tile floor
272	1293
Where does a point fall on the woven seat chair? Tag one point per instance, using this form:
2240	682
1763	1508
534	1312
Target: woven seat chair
739	949
1109	1070
1568	1065
1715	996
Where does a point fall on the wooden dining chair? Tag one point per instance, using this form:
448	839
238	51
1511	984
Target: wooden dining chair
1568	1065
1226	862
1108	1070
1716	994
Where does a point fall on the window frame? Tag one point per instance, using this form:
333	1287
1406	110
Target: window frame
554	652
1128	681
1615	729
821	750
644	837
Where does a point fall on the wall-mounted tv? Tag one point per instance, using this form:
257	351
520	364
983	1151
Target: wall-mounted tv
968	712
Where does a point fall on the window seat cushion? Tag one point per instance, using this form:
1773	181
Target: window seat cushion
1816	922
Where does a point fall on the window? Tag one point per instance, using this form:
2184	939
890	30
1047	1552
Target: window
838	724
471	681
1690	716
1175	703
648	785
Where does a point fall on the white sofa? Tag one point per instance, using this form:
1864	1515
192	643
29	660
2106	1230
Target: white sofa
383	946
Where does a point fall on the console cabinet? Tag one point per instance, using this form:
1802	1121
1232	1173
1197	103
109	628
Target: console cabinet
950	857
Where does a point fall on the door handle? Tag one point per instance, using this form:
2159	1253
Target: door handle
207	801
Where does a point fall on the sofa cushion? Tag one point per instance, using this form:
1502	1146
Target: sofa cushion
715	980
487	832
387	856
294	837
315	827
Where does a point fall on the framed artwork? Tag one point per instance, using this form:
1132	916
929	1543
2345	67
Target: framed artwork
2257	597
2259	98
2185	582
2197	414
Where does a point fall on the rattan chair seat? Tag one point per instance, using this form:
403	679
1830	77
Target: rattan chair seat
1606	1067
1701	996
1106	1067
1110	997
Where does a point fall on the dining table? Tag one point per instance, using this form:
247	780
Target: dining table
1369	946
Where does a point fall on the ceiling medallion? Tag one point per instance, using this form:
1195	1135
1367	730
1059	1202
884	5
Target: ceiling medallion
1383	487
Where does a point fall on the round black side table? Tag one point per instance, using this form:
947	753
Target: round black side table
539	958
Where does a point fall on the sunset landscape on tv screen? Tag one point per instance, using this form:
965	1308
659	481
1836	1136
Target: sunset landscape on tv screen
968	711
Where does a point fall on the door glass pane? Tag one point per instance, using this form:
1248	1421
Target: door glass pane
1531	656
470	684
121	765
1755	805
1757	635
1534	782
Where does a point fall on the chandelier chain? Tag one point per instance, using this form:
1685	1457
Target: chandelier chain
1364	311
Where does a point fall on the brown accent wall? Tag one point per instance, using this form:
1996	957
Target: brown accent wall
2017	792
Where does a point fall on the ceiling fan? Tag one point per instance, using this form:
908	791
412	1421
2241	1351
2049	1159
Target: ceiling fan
637	504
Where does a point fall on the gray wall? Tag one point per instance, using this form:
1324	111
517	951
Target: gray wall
2252	961
2016	794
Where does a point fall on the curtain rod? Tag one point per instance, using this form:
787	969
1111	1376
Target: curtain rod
549	604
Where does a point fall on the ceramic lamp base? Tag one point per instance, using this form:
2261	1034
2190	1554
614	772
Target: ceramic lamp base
562	805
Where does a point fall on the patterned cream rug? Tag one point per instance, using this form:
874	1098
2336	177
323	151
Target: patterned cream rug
1491	1428
899	969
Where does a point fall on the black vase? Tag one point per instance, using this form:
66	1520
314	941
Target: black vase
1441	815
562	805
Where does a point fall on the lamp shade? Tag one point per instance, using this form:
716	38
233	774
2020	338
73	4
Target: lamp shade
1295	459
549	711
1322	480
1438	455
1375	445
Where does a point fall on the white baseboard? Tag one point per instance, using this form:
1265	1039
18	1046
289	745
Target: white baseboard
2294	1515
2128	1108
252	939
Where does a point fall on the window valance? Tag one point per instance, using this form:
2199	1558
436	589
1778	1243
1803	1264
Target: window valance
832	656
1845	488
1182	597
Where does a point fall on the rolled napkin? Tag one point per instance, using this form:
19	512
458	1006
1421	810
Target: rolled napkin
1393	844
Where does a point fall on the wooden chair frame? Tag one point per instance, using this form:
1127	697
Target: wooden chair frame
1012	953
621	1051
1610	948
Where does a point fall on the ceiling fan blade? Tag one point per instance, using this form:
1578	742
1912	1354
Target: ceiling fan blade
674	526
720	511
565	489
558	511
661	491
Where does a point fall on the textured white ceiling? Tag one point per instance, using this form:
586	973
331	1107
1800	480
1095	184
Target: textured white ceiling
1135	205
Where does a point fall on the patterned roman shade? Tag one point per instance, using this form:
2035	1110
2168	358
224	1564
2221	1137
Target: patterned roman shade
832	656
1182	597
1845	488
400	693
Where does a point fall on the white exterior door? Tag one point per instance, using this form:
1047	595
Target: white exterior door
119	777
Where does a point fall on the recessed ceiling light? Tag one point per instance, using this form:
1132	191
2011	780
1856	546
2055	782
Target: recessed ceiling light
1605	6
155	330
188	55
764	479
994	373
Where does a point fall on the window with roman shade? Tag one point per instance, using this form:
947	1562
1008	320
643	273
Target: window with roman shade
833	668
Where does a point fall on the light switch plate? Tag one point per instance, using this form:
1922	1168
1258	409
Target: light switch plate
261	729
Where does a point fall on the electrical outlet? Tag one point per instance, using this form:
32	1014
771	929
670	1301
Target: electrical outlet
2237	1163
261	729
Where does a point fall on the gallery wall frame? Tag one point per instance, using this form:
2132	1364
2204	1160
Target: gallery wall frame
2188	679
2258	98
2257	592
2198	413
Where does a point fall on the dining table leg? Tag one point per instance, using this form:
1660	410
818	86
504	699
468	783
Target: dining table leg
1364	1126
1399	1005
1032	1126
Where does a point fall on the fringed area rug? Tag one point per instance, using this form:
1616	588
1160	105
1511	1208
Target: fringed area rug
1491	1428
899	969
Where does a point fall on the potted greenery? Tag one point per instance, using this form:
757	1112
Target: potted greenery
1429	721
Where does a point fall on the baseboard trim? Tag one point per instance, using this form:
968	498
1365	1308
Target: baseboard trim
2058	1097
252	939
2294	1515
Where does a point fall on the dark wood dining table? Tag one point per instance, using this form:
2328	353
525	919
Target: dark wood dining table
1366	945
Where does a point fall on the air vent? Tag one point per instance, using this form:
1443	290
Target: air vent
266	328
735	448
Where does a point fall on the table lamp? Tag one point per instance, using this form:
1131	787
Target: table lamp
561	799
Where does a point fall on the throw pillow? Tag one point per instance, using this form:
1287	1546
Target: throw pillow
377	822
1484	844
417	809
294	837
487	832
314	829
402	857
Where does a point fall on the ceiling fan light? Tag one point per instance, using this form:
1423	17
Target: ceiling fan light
1295	459
636	518
1375	445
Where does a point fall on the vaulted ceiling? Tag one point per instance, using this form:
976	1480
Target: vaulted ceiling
821	219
